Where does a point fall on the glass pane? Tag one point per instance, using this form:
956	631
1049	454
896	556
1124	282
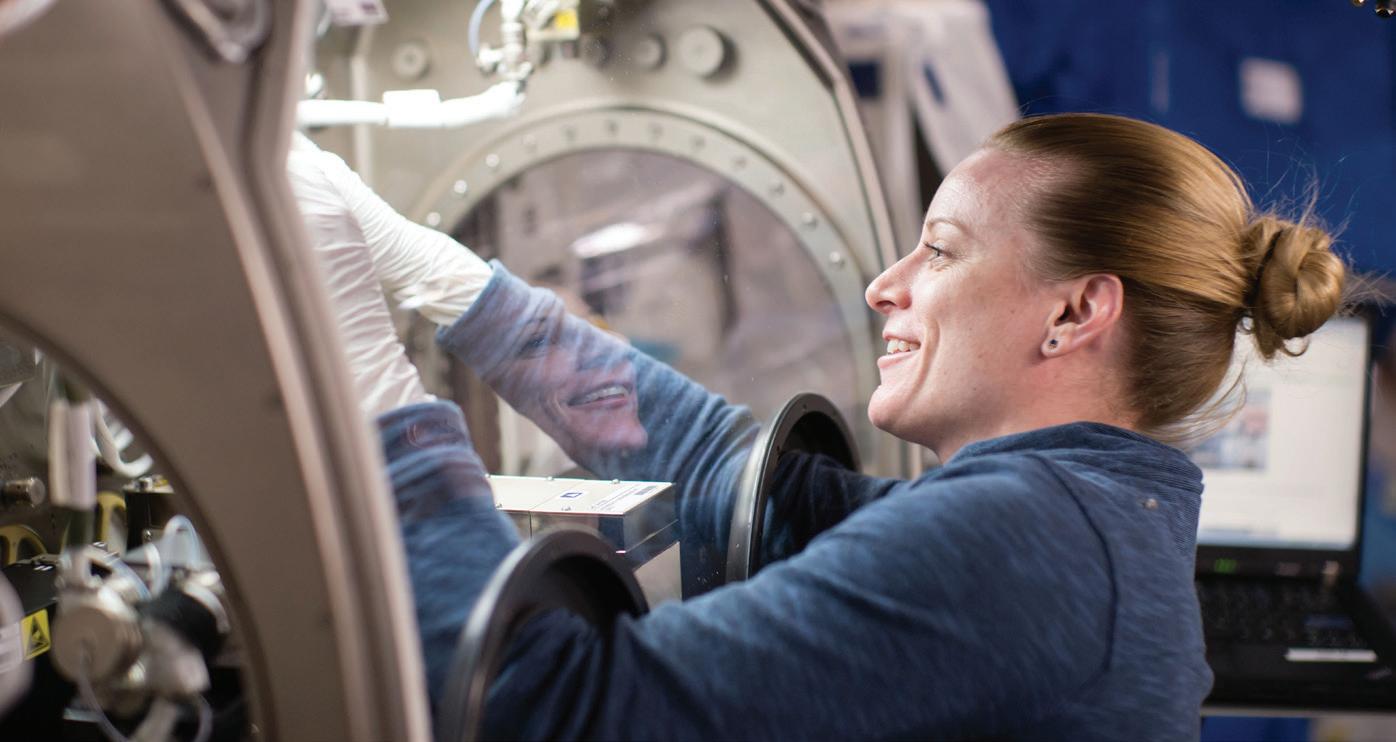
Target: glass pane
683	264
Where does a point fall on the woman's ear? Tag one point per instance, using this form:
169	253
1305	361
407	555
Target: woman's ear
1089	309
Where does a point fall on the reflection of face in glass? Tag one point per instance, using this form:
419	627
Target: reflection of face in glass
582	386
696	272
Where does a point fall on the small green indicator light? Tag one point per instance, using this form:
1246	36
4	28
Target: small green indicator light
1224	566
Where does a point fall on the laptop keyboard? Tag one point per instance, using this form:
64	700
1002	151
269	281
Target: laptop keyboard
1294	614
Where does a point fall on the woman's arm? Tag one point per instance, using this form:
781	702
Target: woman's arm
614	410
968	609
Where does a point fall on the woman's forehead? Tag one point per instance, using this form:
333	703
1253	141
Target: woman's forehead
987	190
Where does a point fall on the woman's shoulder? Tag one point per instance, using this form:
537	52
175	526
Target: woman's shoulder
1009	505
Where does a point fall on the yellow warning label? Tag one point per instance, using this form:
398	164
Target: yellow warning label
37	640
565	21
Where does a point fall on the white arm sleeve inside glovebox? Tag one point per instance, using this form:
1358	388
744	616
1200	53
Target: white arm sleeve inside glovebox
421	268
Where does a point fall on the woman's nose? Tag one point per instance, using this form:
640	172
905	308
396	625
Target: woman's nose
600	353
889	290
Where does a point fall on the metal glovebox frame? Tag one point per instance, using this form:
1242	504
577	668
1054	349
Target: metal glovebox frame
151	245
778	118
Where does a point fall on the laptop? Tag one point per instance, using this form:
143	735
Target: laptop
1280	533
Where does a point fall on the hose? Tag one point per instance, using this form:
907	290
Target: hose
89	698
473	32
110	445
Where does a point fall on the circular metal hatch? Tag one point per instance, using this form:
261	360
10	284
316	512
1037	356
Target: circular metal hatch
699	249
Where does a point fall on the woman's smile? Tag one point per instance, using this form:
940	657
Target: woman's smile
898	350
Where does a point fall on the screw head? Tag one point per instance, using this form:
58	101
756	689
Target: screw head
411	60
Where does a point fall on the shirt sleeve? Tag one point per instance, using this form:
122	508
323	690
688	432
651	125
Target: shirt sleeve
971	607
421	268
383	376
453	536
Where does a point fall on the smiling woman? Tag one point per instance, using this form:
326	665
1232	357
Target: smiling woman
1072	302
578	386
1088	267
960	307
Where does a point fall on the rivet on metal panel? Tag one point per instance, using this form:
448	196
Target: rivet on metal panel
434	219
460	188
809	220
492	161
648	52
702	51
777	188
411	60
836	259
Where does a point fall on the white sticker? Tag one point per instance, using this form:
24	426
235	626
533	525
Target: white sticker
1330	655
356	12
627	498
1271	90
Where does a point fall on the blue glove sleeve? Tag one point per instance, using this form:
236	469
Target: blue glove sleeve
453	535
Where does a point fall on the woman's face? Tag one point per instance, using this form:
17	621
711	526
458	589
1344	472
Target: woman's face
965	319
583	384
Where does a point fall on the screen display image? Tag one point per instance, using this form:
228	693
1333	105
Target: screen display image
1286	470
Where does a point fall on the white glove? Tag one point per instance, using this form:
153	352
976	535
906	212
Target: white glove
383	377
422	268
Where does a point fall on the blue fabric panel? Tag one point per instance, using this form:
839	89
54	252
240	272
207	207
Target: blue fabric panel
1074	56
1344	138
1178	64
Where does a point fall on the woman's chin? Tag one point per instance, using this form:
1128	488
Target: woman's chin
599	429
882	410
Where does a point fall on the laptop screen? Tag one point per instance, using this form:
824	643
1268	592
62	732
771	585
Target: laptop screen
1286	472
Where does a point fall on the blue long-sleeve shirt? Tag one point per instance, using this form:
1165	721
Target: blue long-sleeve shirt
1037	585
